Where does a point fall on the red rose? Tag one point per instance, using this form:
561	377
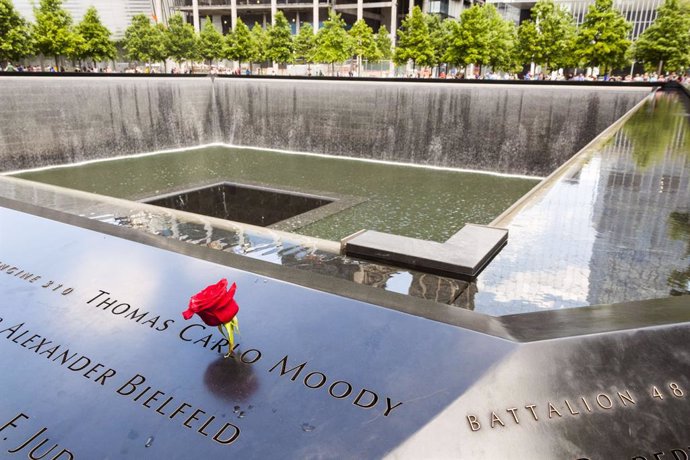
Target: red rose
215	305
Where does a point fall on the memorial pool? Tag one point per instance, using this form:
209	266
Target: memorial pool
420	202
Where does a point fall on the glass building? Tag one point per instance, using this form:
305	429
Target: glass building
115	14
640	13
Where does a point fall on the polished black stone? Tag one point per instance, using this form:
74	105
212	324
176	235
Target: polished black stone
595	382
242	203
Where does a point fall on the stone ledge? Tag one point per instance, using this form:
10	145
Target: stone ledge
464	255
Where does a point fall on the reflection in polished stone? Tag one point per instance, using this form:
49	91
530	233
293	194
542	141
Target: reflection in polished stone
275	247
608	229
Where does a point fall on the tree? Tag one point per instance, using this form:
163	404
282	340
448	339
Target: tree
159	48
414	41
305	44
666	43
470	39
210	42
333	44
144	42
93	38
363	43
602	39
502	40
239	46
384	43
547	38
439	33
182	41
258	44
279	45
15	40
51	32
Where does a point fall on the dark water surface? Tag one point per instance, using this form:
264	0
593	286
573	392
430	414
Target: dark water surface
418	202
613	228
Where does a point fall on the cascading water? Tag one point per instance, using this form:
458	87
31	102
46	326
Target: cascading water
506	128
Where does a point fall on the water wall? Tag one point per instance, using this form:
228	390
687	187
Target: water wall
507	128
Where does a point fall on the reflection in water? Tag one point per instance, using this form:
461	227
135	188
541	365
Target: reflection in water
605	237
656	129
599	234
679	229
278	250
230	379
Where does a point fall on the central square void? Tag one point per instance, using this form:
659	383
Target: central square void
248	204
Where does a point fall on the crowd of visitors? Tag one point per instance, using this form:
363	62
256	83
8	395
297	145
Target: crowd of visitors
423	73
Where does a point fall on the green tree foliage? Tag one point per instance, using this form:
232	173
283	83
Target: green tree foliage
279	45
653	129
333	44
239	45
363	44
547	38
94	38
52	34
666	43
414	41
258	42
182	42
145	42
470	38
384	43
502	40
439	33
602	38
210	42
15	40
305	44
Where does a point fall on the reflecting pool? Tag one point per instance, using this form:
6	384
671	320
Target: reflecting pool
418	202
613	228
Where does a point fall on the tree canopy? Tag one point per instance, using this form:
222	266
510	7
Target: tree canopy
666	43
279	45
333	44
15	39
258	41
502	40
363	44
145	42
414	41
547	38
384	43
94	38
439	33
470	38
211	43
181	40
602	38
51	33
305	42
239	44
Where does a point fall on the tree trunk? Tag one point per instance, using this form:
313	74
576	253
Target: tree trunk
57	64
661	66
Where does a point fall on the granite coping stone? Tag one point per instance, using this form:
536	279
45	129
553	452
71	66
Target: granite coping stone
464	255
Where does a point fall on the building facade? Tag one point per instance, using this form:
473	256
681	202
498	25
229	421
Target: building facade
377	13
116	15
640	13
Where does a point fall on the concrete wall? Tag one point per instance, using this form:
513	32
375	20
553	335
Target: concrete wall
507	128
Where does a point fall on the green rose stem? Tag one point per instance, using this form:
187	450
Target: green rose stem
231	327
